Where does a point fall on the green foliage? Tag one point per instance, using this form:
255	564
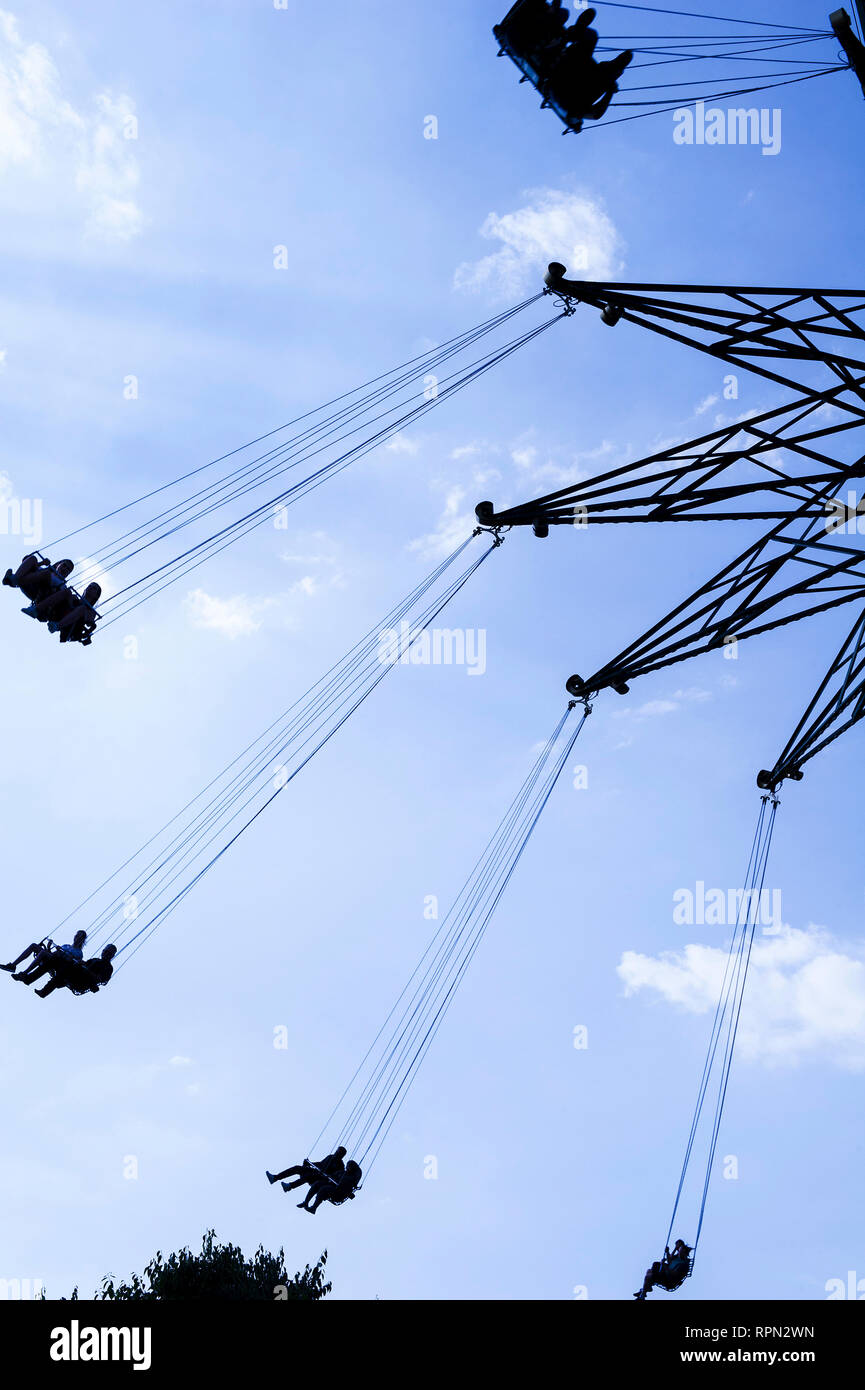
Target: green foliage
219	1272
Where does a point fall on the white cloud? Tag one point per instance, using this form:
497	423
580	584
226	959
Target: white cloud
82	161
549	469
2	359
31	106
402	444
706	404
693	692
652	708
455	523
232	617
88	571
805	996
241	616
525	458
108	174
314	549
570	227
320	557
482	471
482	476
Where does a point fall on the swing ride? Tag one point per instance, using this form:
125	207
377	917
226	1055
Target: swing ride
791	466
579	74
795	466
238	486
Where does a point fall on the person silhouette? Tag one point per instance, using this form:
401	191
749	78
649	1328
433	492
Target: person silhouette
582	86
38	579
307	1172
80	976
42	952
328	1190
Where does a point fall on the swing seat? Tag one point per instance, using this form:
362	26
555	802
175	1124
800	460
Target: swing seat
73	600
336	1201
531	69
68	970
674	1276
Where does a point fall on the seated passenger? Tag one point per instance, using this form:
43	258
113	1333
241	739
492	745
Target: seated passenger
79	623
42	952
534	26
80	977
38	579
328	1190
53	607
651	1277
679	1264
668	1273
580	35
37	949
553	23
519	29
582	86
100	966
332	1167
561	35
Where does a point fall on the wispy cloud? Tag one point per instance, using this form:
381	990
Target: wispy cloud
651	709
476	455
805	997
243	616
230	617
89	571
570	227
320	557
553	468
403	444
692	693
455	523
81	161
466	451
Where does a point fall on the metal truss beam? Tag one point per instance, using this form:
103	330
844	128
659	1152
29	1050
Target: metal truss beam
807	339
759	468
838	704
796	570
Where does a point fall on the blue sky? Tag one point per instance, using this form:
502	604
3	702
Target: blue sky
153	257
